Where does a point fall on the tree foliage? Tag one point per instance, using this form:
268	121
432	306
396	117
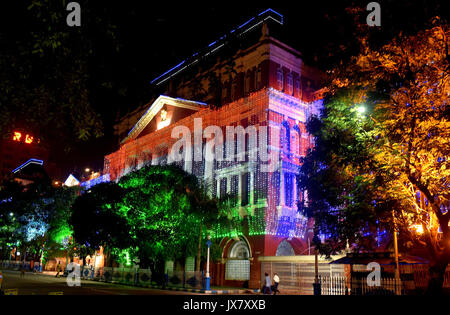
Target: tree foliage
389	164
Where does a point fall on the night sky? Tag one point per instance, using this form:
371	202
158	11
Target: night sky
152	39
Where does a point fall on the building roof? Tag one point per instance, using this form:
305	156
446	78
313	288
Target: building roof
156	106
262	17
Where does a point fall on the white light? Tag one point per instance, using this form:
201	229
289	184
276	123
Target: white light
11	214
361	109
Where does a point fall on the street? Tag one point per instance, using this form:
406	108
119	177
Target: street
43	284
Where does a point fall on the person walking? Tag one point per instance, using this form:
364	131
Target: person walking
276	281
267	284
22	269
58	269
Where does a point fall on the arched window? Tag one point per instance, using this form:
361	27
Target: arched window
285	249
238	266
240	250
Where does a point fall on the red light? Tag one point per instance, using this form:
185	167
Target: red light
28	139
17	136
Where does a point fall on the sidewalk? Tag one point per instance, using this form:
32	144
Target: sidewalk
214	290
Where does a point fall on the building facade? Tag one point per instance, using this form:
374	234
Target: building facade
269	89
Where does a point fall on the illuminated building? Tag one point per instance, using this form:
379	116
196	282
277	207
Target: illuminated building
271	87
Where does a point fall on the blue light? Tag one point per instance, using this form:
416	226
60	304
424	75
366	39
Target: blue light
246	23
221	38
190	101
91	183
177	66
270	10
30	161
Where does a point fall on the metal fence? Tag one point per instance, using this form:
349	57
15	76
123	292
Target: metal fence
186	279
130	276
298	277
345	286
17	265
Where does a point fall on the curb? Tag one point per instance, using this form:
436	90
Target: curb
225	291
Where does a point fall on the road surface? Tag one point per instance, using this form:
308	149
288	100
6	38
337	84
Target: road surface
43	284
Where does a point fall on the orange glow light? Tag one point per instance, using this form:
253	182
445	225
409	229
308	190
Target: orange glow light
418	228
17	136
28	139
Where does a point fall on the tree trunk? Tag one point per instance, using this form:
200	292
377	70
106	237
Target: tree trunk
437	273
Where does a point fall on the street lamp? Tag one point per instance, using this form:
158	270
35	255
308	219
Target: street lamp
208	279
361	109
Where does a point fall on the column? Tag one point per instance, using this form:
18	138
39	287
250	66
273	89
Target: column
188	160
154	159
252	187
294	191
218	188
239	189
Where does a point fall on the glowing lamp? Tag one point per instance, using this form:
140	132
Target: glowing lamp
418	228
361	110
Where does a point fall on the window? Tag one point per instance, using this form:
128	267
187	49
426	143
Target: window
280	79
276	187
288	188
238	267
247	83
285	249
223	187
296	136
237	270
224	91
290	84
245	193
233	89
286	137
258	79
240	250
298	90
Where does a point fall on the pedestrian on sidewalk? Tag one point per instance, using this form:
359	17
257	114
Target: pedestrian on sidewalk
276	281
58	269
267	284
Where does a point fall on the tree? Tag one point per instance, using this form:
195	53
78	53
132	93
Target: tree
34	218
96	220
167	210
388	132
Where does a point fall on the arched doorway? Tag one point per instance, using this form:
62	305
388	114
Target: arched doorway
238	263
285	249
